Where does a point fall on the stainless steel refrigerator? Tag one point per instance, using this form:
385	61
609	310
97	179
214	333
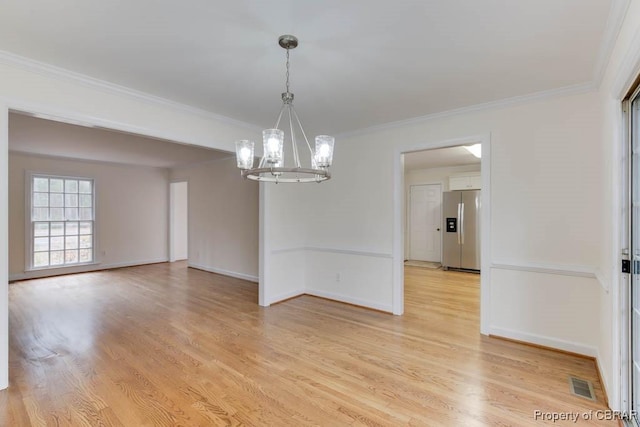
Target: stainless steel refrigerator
461	240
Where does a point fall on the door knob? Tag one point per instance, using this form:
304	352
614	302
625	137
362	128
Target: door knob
437	229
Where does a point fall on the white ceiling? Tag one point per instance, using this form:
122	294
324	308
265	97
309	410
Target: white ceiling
438	158
46	137
360	63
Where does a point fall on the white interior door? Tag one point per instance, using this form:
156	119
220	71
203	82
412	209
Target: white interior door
425	222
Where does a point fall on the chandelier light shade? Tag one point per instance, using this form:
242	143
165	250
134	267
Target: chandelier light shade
273	140
324	150
244	153
272	166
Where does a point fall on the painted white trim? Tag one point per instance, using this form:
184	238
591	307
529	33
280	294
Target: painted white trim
172	225
487	106
398	214
603	378
87	268
66	115
263	254
398	244
287	250
4	246
235	274
602	280
556	269
485	244
171	231
559	344
619	239
620	343
285	296
350	300
617	13
628	70
332	250
28	243
65	75
349	252
90	161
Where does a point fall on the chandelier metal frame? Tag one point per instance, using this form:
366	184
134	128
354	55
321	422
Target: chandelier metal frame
272	166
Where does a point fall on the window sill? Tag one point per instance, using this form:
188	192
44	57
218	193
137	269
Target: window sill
60	267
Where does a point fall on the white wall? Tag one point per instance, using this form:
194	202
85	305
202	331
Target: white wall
178	221
283	232
546	194
223	218
131	211
428	176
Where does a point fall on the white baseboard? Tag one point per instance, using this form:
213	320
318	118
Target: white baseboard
545	341
235	274
35	274
604	383
285	296
349	300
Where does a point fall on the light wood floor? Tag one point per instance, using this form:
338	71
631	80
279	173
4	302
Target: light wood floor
163	345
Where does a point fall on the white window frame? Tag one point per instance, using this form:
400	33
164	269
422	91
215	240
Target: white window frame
29	223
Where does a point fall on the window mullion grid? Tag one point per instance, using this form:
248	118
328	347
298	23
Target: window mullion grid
71	223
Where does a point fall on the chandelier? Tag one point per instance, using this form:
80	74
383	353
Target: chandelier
272	166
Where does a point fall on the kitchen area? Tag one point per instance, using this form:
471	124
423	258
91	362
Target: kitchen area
443	209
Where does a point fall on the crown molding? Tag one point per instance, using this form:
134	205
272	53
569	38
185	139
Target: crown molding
61	74
617	13
486	106
57	157
628	69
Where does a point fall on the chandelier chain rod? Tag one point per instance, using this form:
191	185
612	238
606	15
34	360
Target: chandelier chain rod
313	161
280	116
294	144
287	70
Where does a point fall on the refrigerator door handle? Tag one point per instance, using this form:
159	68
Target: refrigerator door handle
462	223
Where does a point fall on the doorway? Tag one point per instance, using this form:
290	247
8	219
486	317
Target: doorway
403	179
178	221
435	181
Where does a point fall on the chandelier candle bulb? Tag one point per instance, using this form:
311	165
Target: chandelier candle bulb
272	167
324	150
273	145
244	153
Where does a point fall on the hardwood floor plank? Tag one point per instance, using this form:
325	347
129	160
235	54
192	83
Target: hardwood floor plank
164	345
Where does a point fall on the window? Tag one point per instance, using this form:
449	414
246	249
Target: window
62	221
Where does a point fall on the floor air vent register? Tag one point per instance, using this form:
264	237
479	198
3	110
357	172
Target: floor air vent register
581	388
